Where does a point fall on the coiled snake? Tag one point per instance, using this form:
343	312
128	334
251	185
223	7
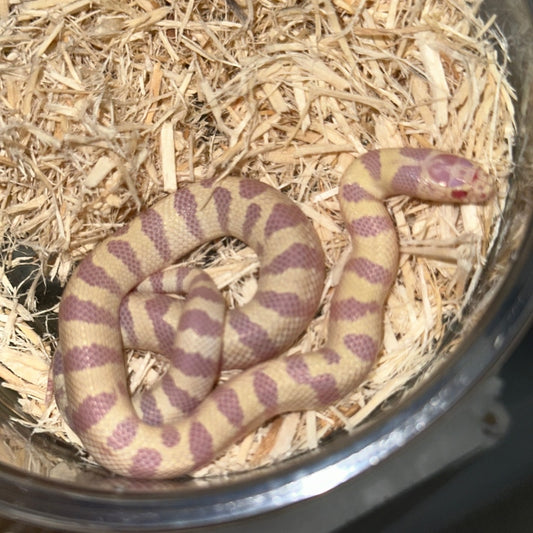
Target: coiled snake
147	440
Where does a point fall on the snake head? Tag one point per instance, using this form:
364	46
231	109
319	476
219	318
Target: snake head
452	178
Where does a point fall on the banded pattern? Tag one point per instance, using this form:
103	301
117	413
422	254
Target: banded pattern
146	440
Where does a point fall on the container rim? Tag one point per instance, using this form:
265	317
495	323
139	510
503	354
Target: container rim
56	504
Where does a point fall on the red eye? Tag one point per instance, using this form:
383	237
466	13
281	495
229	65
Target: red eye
459	194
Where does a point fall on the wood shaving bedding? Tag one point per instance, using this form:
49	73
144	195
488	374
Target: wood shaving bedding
107	106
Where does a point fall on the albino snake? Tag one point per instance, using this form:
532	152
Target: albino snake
147	440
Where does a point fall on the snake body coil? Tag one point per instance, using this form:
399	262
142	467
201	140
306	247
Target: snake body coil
147	440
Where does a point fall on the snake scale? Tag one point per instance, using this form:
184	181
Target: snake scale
119	296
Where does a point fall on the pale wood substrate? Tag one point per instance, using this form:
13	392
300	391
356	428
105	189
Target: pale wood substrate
107	106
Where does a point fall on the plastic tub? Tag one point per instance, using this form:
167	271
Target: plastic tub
402	442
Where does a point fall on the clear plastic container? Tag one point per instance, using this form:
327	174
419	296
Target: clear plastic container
359	463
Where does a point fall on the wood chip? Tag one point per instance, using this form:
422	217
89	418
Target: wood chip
168	159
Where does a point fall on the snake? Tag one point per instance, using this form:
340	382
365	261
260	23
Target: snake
121	295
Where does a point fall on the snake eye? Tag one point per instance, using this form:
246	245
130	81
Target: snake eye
459	194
